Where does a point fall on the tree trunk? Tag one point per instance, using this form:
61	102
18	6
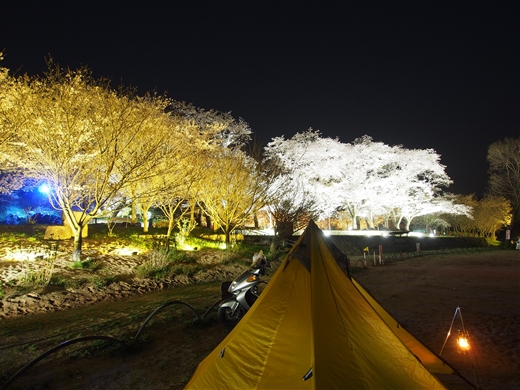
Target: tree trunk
285	230
354	221
398	224
145	223
134	214
192	212
170	227
228	239
198	218
78	242
407	228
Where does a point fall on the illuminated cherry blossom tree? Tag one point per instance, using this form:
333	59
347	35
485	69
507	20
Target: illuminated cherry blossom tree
417	180
235	185
369	180
487	216
177	189
461	223
11	96
88	142
219	127
362	189
491	214
310	166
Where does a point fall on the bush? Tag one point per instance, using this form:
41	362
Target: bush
163	264
39	276
88	263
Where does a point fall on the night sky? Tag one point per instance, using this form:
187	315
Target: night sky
423	74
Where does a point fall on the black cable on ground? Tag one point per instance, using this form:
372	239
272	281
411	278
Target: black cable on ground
211	307
57	348
67	331
159	309
106	338
91	326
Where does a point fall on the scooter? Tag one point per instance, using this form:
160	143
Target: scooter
239	295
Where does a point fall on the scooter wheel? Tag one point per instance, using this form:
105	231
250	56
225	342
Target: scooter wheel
228	319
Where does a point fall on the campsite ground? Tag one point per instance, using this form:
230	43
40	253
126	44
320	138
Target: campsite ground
422	293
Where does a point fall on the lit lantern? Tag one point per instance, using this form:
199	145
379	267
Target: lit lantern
463	337
463	343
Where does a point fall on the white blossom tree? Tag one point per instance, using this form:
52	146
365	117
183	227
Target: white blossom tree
225	130
366	179
310	167
362	190
417	180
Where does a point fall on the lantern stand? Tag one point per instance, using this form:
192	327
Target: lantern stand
462	340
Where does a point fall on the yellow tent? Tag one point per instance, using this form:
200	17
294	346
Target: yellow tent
312	328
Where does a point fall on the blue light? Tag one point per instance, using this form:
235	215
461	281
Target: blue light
44	189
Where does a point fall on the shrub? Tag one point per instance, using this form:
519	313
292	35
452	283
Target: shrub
145	271
68	283
155	265
162	264
40	275
88	263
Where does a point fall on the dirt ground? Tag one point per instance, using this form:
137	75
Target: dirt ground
422	293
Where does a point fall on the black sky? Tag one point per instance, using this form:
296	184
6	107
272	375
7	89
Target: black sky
423	74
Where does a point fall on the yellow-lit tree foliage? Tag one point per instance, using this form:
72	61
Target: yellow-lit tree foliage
192	134
234	186
10	122
488	215
504	172
88	141
491	214
180	187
